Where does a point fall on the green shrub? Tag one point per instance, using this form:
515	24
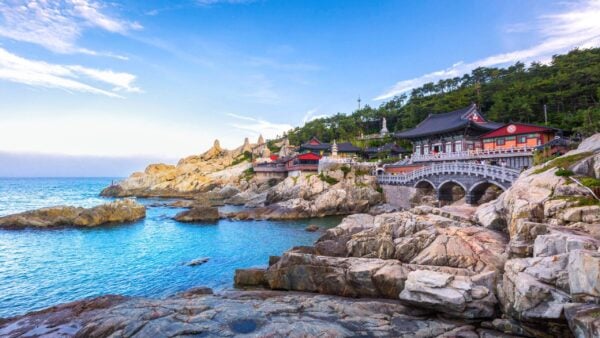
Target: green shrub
248	174
361	172
328	179
346	170
579	201
564	172
563	162
590	182
379	190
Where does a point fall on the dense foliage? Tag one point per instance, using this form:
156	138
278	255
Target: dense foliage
569	87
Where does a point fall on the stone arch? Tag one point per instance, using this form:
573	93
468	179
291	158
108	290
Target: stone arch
379	171
451	191
424	184
484	191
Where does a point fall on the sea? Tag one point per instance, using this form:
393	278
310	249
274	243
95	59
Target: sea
42	268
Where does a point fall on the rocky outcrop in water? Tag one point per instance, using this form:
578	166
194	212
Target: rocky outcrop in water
198	214
120	211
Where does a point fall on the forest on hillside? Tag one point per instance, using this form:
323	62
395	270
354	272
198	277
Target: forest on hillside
569	87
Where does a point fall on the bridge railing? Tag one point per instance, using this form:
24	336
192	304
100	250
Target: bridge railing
473	154
471	169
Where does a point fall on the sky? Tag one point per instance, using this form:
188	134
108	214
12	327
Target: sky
125	82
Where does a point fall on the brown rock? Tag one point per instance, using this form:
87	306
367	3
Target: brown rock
249	277
198	214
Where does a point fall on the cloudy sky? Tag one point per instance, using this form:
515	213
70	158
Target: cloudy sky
130	81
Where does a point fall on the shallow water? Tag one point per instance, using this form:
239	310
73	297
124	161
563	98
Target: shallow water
40	268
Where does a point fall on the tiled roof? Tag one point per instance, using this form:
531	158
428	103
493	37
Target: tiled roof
451	121
516	129
387	147
344	147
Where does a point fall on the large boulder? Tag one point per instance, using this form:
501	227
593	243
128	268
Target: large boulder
120	211
458	296
349	277
425	239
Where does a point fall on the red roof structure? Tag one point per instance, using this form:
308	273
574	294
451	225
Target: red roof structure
309	157
516	129
274	157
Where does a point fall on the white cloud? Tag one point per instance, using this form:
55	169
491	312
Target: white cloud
57	25
312	115
260	126
67	77
578	26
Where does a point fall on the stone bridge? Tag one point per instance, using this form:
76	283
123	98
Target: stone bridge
442	178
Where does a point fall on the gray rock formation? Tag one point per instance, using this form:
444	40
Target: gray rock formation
120	211
253	313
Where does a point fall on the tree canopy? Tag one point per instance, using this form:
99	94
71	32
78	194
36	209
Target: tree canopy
568	86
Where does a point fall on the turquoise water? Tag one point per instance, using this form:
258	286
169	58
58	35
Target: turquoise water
40	268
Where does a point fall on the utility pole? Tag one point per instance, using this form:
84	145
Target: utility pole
545	115
358	102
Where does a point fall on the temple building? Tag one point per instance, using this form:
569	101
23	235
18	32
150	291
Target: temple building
344	149
465	135
517	135
388	150
451	132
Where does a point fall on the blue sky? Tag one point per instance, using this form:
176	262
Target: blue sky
162	79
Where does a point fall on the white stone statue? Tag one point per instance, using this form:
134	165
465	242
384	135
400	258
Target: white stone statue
384	129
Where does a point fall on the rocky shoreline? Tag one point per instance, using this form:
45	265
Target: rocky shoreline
524	265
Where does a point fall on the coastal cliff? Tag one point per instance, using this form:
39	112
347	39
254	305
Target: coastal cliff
192	175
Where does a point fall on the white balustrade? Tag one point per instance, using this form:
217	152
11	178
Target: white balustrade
472	154
483	170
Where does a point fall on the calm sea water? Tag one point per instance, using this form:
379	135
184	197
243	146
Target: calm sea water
40	268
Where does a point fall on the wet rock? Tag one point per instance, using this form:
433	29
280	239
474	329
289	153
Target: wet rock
311	228
120	211
197	261
198	214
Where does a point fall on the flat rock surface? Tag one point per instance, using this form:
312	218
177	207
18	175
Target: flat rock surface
255	313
